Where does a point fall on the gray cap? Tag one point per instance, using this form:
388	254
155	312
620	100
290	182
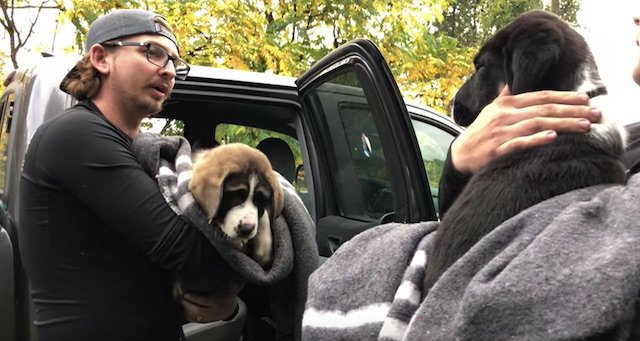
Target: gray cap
124	23
118	24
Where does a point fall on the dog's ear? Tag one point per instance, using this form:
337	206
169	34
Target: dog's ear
277	198
206	184
530	54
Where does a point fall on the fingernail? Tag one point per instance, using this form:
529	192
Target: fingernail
583	97
595	112
584	124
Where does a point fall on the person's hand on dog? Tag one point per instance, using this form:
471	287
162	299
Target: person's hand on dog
221	305
513	122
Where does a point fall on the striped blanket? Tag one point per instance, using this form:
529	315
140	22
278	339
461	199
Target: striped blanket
565	269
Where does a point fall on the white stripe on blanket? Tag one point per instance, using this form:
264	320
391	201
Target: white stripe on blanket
419	259
335	319
408	291
185	201
166	171
393	329
184	177
183	159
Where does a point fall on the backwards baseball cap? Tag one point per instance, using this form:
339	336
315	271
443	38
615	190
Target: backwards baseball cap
123	23
118	24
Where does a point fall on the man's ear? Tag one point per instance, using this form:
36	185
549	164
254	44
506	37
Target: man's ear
99	58
529	56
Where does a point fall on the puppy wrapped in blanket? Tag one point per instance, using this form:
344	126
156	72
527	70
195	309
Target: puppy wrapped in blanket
237	189
254	199
536	51
294	252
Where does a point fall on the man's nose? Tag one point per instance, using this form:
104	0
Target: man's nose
169	68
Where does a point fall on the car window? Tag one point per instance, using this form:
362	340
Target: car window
362	177
163	126
255	137
434	145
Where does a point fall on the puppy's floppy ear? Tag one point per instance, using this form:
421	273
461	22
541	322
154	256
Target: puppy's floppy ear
529	54
277	199
206	183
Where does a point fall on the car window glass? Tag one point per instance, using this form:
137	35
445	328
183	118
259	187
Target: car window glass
251	136
163	126
362	179
5	125
434	145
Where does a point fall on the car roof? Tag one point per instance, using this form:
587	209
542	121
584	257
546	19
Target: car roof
265	78
418	109
231	76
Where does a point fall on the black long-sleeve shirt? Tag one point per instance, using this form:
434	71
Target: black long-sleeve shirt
99	243
451	185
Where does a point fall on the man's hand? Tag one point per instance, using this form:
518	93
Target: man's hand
219	306
522	121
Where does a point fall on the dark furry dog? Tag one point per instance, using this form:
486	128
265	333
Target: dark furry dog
536	51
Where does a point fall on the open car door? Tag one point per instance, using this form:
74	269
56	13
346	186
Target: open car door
367	168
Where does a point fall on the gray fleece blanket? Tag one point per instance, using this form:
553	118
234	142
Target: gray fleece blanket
168	159
565	269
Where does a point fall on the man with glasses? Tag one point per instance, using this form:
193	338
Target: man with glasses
100	245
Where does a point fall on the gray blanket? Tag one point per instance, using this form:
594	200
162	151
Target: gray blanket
565	269
168	158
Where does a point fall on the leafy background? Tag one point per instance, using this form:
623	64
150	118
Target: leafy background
428	44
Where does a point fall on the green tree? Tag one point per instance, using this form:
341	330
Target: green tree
287	37
428	44
473	21
566	9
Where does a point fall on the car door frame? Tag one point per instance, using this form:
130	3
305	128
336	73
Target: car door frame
412	199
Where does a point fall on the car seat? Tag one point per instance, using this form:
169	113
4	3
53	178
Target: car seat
280	155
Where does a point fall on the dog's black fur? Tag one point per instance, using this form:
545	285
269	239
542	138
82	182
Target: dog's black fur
534	52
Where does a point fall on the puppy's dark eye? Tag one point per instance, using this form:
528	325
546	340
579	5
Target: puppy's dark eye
236	196
261	199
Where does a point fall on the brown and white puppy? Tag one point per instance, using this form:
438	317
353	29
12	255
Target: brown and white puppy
536	51
237	189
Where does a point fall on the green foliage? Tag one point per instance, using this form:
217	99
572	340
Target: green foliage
473	21
566	9
428	44
230	133
434	167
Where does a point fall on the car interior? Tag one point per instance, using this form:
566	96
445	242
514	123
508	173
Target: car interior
272	128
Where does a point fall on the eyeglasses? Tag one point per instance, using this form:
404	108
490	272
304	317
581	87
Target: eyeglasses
157	56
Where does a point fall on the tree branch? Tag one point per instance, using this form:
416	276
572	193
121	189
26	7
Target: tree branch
16	40
33	24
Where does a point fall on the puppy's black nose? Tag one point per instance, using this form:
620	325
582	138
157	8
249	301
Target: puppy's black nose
244	230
